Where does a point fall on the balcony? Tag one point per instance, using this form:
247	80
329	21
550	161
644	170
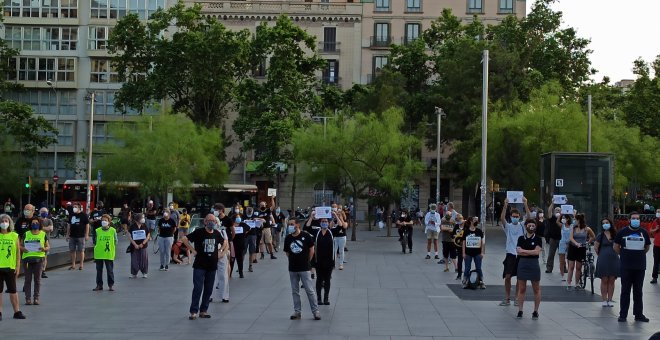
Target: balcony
380	42
329	47
248	8
414	10
327	80
408	40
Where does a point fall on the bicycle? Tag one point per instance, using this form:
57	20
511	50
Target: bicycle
404	240
588	267
59	228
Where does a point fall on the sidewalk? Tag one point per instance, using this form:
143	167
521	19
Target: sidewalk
381	294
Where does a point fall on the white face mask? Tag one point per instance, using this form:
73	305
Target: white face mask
142	221
76	210
557	215
657	214
4	225
563	221
105	224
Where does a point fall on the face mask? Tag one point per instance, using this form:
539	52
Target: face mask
142	221
540	215
237	210
606	226
461	222
334	209
531	230
76	210
238	220
209	225
277	211
403	215
557	216
534	215
165	215
4	225
44	214
563	221
35	227
172	207
216	213
27	213
515	220
262	208
249	214
324	225
105	224
635	223
657	215
291	228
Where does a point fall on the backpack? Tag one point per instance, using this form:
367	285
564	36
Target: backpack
473	280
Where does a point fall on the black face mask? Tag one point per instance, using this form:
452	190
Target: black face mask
262	208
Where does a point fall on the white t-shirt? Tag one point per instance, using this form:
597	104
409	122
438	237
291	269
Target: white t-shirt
432	221
513	232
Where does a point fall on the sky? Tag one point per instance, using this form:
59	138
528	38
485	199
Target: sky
620	32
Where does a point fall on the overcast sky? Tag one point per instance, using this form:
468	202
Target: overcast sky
620	32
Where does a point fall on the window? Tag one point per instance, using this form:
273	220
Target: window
329	39
42	69
412	32
41	8
413	5
98	37
103	72
65	136
381	35
506	6
380	61
382	6
475	6
46	161
30	38
101	134
331	72
117	9
44	102
260	70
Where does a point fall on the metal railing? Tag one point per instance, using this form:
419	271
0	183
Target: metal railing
329	46
380	42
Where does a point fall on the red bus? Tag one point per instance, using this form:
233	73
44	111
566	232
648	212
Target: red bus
75	191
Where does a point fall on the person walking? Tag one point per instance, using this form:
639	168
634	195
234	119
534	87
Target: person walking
528	249
299	249
208	247
580	236
607	266
655	231
139	236
10	264
553	237
513	231
166	229
33	247
404	224
632	243
105	245
432	222
324	260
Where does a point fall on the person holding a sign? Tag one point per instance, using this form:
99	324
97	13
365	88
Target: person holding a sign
267	220
632	243
580	236
513	231
139	235
105	243
473	249
239	232
528	248
33	247
432	229
339	233
253	235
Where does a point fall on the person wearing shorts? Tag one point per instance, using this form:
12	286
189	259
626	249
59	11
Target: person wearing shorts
77	233
432	230
10	264
448	247
267	221
252	237
513	231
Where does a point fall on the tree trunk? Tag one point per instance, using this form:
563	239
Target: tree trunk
293	188
354	215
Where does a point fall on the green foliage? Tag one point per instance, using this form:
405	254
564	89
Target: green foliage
270	111
198	65
643	99
163	152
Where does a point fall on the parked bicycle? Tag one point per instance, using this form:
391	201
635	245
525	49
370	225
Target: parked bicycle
588	267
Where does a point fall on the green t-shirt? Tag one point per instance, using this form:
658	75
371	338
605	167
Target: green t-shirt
32	238
106	242
8	250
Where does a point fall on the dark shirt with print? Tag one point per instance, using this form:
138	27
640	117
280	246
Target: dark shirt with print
22	225
632	259
166	227
77	225
136	227
298	249
469	251
206	245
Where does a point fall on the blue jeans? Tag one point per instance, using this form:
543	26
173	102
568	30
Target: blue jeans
203	281
468	266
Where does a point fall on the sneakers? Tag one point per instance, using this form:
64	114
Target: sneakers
341	267
19	315
250	269
167	267
437	257
515	302
535	315
505	302
262	256
272	257
43	275
441	261
569	288
655	280
621	319
317	316
162	268
428	257
446	270
132	276
610	303
295	316
641	318
605	304
482	286
520	314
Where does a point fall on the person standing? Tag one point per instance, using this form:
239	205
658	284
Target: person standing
513	231
655	230
553	237
280	222
566	227
10	263
447	236
324	260
184	223
223	224
166	230
24	222
33	247
239	232
125	218
105	245
580	236
607	267
77	233
528	248
47	227
9	207
151	213
299	249
339	233
473	249
432	229
404	224
208	246
139	236
632	243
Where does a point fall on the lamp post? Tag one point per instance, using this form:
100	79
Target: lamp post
49	82
325	123
484	137
92	98
440	114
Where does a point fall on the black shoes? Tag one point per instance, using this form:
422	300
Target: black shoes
428	257
241	275
272	257
19	315
312	276
655	280
43	275
520	314
641	318
535	315
548	271
326	302
262	256
621	319
250	269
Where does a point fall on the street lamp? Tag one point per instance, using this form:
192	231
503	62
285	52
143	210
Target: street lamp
49	82
440	114
325	123
92	97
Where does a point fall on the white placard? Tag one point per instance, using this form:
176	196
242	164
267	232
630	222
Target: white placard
559	183
567	209
472	241
33	246
238	230
250	223
323	212
272	192
634	243
138	235
514	196
258	223
559	199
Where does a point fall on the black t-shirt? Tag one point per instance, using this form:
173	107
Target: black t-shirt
166	227
553	230
298	248
151	213
227	223
95	218
266	216
529	244
338	231
22	225
404	219
240	231
633	243
78	223
206	245
472	239
124	213
135	227
279	220
323	250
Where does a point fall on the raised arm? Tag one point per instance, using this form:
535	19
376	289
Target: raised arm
503	214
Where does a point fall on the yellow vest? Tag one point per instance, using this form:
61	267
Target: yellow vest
41	238
104	249
8	250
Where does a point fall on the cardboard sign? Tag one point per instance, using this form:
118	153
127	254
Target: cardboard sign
567	209
514	196
138	235
272	192
251	223
559	199
238	230
323	212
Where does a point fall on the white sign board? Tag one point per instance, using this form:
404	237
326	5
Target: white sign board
323	212
567	209
559	199
559	183
272	192
250	223
138	235
514	196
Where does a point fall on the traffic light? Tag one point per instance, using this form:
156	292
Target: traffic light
28	182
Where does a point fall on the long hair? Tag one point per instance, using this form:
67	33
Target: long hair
11	222
581	223
611	226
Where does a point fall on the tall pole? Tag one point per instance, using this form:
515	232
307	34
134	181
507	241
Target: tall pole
589	130
325	123
57	140
89	154
484	138
440	114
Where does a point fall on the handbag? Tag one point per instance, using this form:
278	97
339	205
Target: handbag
129	249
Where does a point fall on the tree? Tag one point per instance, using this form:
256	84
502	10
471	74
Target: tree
643	99
270	111
198	66
364	151
163	152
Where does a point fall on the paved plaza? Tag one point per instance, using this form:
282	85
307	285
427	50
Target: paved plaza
381	294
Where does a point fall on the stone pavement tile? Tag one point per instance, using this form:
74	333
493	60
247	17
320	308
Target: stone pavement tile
411	338
373	337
